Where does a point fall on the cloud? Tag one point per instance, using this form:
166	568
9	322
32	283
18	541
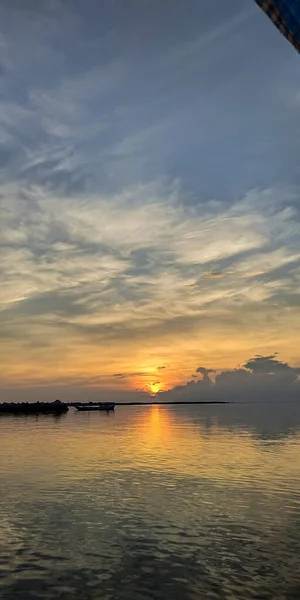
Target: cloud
214	274
136	247
118	268
128	375
213	37
261	378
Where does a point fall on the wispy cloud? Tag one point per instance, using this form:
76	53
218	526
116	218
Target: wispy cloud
110	265
214	36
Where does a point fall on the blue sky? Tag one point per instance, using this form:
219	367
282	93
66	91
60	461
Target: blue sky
149	194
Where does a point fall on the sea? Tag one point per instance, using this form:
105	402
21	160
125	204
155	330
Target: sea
152	502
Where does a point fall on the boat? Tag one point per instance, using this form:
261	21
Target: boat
101	406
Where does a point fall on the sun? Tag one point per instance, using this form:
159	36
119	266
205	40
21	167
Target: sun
154	387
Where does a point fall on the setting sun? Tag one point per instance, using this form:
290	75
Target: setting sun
154	388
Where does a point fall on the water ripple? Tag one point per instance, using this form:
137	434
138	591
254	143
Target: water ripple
158	503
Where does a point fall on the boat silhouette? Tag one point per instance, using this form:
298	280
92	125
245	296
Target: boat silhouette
101	406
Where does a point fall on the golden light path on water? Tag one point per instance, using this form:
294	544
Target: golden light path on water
155	437
151	502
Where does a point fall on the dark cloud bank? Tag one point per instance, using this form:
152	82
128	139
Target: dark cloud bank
261	378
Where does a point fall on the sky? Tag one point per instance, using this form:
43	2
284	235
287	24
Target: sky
149	197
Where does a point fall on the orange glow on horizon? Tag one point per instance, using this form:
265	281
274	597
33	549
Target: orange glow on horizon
150	368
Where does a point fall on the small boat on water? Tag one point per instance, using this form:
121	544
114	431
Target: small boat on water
101	406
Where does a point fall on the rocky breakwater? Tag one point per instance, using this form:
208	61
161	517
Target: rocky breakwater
26	408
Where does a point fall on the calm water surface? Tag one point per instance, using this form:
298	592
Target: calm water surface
152	502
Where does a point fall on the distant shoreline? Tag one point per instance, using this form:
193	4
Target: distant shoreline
154	403
169	402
